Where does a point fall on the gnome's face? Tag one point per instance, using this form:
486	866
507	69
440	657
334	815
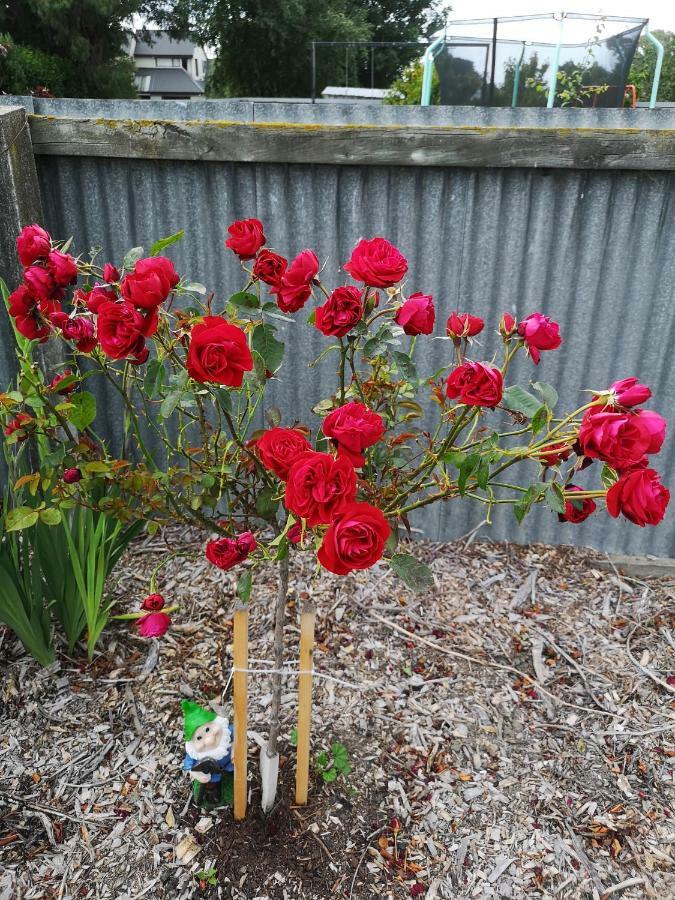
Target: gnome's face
208	736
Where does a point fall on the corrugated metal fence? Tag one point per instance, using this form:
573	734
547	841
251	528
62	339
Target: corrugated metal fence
595	249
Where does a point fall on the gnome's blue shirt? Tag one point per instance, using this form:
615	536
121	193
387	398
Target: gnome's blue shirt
225	762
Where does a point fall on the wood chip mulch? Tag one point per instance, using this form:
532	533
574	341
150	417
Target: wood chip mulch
512	735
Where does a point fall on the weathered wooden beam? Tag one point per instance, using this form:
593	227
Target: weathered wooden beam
438	145
638	566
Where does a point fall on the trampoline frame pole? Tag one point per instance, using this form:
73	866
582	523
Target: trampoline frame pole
427	71
516	78
556	64
657	67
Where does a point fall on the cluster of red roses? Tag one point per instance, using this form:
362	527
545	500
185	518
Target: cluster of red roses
117	314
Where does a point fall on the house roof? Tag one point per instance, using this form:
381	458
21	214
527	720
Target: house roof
170	80
160	44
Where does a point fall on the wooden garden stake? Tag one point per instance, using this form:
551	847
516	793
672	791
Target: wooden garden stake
240	691
304	705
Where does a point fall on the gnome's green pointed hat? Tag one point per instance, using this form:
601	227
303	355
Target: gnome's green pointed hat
195	715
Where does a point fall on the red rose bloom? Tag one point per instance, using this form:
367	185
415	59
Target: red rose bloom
32	244
63	268
576	510
507	326
246	237
354	540
150	283
629	392
539	333
340	313
319	486
377	263
294	533
621	438
475	384
269	267
279	448
80	330
225	553
295	287
41	284
417	315
639	496
218	353
18	423
72	475
28	313
155	624
111	273
463	325
97	296
153	603
122	330
57	380
554	454
353	427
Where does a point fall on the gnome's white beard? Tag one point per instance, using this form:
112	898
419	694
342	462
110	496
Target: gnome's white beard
221	748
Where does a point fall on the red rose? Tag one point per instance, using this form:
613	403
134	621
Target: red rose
246	542
279	448
32	244
29	313
621	438
80	330
122	330
475	384
18	423
507	326
153	603
155	624
41	284
539	333
218	353
464	325
111	273
377	263
294	533
353	427
269	267
54	384
150	283
554	454
639	496
417	315
354	540
97	296
340	313
246	237
576	510
225	553
296	283
319	486
72	475
629	392
63	268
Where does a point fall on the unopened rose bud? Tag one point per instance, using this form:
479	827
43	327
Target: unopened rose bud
507	326
72	475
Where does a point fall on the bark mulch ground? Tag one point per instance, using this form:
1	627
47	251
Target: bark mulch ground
511	732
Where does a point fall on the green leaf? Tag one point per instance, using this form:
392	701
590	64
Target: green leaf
555	497
244	585
195	287
83	412
413	573
524	505
169	404
340	757
266	344
466	468
548	393
51	516
520	400
293	739
374	347
244	300
154	378
159	245
405	365
330	775
132	257
21	517
453	458
608	476
321	760
266	504
483	473
540	419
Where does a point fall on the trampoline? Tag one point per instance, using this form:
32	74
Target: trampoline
526	60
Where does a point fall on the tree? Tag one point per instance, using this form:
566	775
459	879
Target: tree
642	70
70	47
406	89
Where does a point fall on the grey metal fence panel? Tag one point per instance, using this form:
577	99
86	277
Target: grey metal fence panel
593	249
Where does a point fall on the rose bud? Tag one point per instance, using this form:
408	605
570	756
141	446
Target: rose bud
507	326
294	533
340	313
377	263
246	542
72	476
576	510
111	274
629	392
153	603
554	454
639	496
32	244
464	325
295	287
475	384
355	539
279	448
155	624
62	267
246	237
539	333
269	267
58	379
417	315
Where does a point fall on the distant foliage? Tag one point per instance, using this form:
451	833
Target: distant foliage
642	70
407	88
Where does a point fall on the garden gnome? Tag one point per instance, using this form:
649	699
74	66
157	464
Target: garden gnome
208	755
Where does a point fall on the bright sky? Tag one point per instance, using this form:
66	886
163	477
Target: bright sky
661	13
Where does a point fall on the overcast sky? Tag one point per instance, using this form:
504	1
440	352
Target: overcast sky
661	13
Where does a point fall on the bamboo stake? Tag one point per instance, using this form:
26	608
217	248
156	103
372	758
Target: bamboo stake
240	691
304	705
